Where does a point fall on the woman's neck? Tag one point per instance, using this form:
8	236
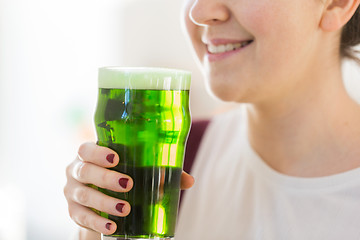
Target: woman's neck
309	133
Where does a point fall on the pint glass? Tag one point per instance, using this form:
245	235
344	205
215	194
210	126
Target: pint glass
143	115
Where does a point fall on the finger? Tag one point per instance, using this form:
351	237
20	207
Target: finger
187	181
87	218
101	156
92	198
89	173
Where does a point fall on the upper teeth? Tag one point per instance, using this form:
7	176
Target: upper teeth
226	47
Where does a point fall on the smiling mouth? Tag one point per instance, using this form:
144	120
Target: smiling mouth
222	48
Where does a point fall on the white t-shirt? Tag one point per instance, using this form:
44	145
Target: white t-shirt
237	196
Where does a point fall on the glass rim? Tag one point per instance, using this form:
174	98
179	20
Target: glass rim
144	78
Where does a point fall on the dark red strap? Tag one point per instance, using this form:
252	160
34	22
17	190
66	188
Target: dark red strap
195	135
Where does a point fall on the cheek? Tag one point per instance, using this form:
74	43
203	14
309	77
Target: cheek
279	32
258	17
281	22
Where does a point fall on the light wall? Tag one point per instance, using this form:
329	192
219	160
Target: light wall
49	55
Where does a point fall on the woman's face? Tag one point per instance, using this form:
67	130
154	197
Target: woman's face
251	50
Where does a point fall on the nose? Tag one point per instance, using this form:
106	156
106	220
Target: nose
209	12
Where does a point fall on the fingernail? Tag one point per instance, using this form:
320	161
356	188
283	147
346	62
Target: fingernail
108	226
123	182
110	158
120	207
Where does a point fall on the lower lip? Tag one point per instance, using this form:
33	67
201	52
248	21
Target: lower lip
213	57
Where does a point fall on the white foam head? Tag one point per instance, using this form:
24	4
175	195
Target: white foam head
144	78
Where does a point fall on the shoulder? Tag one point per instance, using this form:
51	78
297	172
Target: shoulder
210	132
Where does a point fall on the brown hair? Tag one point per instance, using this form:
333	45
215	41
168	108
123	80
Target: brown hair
350	37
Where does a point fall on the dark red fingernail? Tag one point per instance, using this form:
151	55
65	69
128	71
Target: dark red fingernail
123	182
110	158
120	207
108	226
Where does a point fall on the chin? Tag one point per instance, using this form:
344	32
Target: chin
224	94
232	92
222	84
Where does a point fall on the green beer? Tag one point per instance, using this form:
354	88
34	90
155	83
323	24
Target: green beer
143	114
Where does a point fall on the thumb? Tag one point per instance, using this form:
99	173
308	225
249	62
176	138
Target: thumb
187	181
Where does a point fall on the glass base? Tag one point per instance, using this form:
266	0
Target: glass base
131	238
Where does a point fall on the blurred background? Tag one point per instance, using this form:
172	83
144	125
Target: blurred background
49	55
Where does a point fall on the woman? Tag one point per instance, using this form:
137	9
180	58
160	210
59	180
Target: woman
285	165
